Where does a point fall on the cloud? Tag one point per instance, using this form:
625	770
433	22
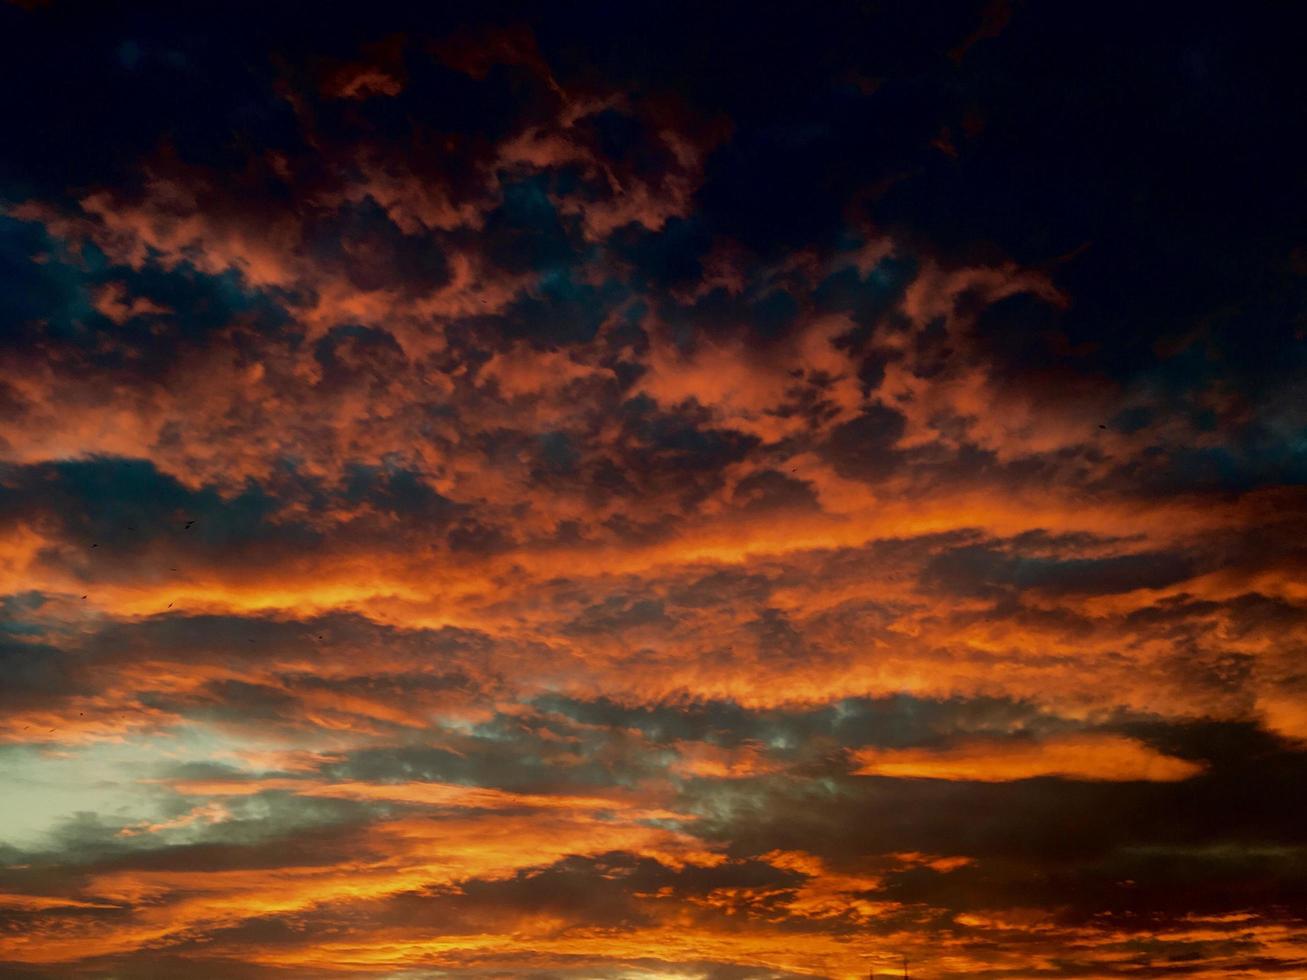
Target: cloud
717	492
1093	757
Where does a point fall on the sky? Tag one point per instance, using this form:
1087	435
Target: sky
680	491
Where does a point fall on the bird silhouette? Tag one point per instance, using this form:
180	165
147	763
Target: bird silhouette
189	525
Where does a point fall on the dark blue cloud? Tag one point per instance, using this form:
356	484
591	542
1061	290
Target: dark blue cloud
981	570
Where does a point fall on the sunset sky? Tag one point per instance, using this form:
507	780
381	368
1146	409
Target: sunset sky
614	491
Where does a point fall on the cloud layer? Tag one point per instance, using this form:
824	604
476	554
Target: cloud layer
722	492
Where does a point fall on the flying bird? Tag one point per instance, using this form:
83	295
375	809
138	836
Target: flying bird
189	525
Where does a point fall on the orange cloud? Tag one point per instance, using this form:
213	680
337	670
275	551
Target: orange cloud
1110	758
704	760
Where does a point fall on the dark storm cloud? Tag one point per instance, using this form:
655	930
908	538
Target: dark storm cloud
851	722
979	570
1040	820
110	516
31	671
864	447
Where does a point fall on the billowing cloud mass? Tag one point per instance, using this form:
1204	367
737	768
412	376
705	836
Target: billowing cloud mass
705	491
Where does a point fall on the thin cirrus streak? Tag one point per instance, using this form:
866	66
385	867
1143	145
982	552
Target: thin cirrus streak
754	491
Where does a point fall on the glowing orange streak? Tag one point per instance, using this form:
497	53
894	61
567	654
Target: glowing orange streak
419	854
422	594
1087	756
426	793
